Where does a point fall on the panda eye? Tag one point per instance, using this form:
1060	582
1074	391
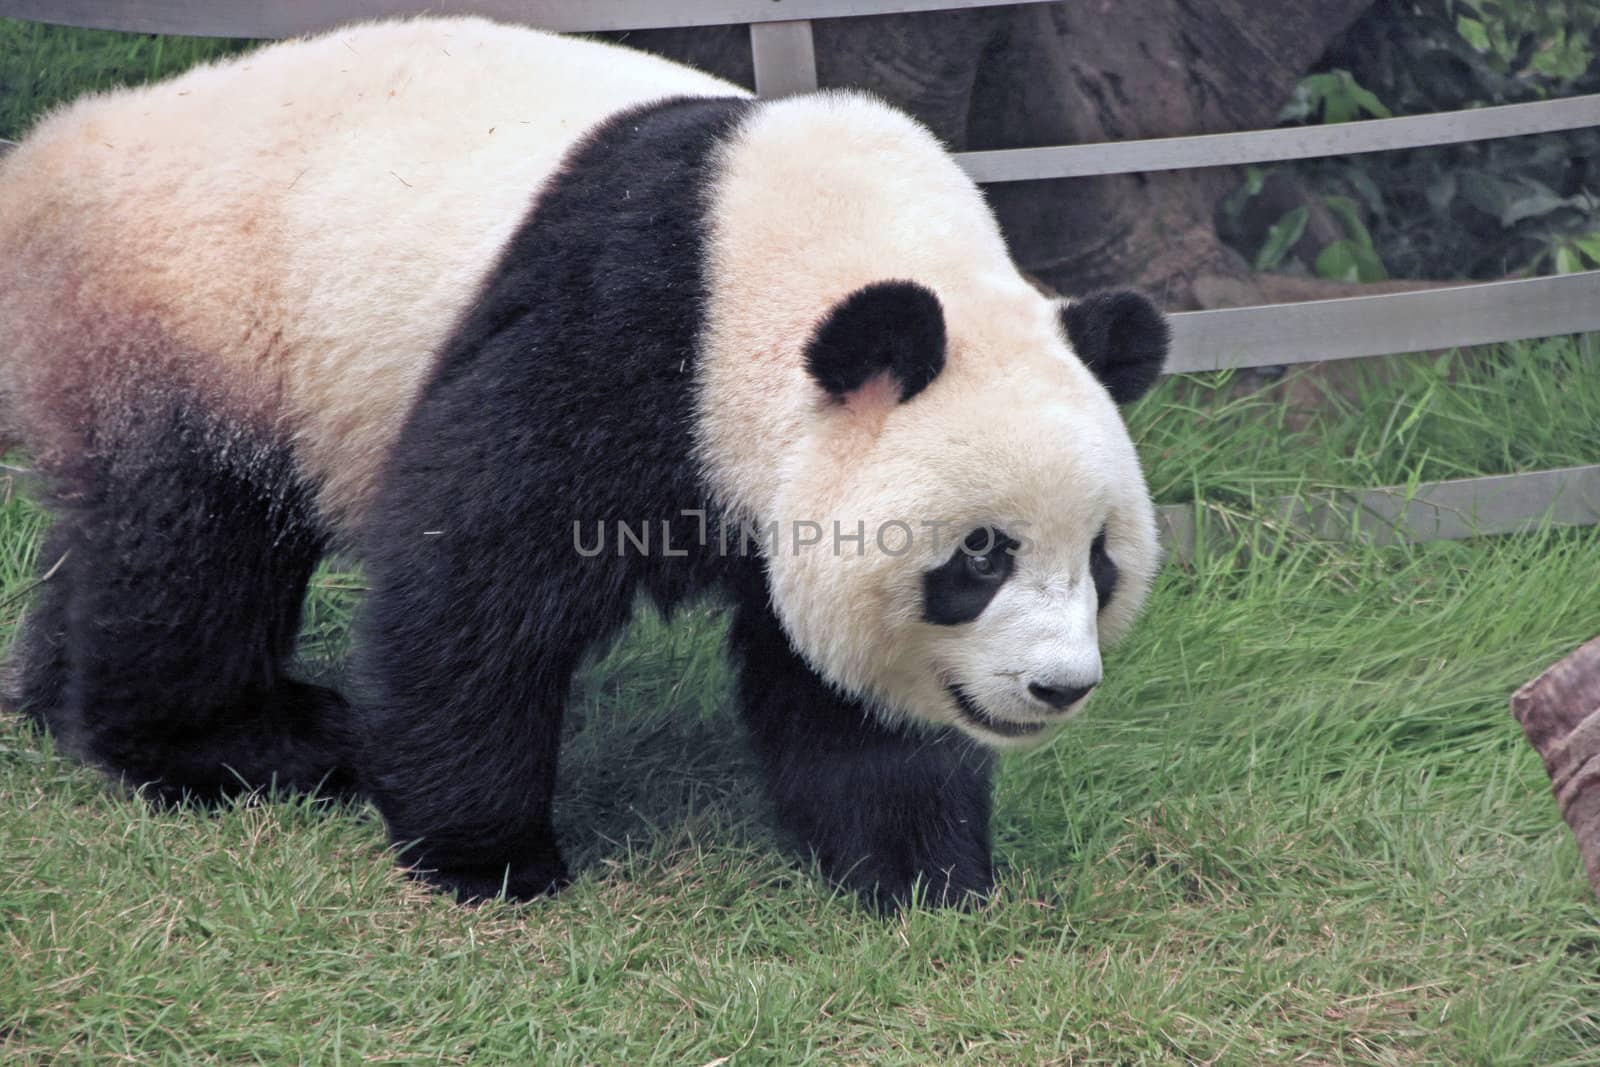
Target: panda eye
987	556
957	590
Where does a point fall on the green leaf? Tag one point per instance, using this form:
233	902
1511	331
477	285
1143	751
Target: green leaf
1370	265
1335	94
1568	260
1345	210
1362	183
1282	237
1539	199
1338	107
1489	194
1349	261
1473	33
1302	104
1337	262
1589	245
1364	99
1254	179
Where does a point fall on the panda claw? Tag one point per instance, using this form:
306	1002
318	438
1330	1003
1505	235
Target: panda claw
964	886
480	885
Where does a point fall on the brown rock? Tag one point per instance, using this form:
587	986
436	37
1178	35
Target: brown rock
1560	714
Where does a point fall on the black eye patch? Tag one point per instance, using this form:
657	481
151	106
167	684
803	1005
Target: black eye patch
960	588
1103	571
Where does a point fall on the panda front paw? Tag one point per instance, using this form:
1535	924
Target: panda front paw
944	866
899	830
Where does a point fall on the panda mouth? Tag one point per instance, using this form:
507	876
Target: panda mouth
978	717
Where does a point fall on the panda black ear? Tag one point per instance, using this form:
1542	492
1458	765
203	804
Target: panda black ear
1121	337
886	327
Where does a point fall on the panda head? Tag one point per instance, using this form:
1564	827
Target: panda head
984	524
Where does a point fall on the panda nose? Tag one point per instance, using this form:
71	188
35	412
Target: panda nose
1058	696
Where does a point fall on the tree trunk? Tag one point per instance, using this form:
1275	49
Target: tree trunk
1079	72
1097	71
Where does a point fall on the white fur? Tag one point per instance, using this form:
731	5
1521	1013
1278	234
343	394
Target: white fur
309	219
820	195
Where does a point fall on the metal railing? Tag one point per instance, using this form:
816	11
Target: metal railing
1448	317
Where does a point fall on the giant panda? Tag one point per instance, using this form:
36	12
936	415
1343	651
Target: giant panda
454	296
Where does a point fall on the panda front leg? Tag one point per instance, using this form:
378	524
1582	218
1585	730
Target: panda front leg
896	815
459	735
464	652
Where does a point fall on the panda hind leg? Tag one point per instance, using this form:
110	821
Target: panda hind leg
157	644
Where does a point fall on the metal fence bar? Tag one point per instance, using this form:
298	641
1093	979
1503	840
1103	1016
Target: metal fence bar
1262	146
1432	511
288	18
785	57
1448	317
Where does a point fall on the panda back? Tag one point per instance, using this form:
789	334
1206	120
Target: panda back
294	233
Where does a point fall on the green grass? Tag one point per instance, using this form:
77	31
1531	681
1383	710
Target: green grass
1376	422
1298	824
